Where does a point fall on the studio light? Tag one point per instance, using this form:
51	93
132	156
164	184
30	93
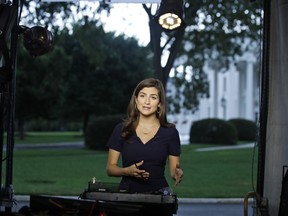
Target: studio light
6	2
170	14
37	40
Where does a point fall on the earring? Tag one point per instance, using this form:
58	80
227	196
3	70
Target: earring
158	110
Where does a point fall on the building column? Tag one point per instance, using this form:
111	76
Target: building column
249	91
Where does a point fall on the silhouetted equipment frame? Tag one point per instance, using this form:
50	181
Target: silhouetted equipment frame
8	47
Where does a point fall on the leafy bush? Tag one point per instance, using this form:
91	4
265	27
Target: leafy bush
99	131
213	131
246	129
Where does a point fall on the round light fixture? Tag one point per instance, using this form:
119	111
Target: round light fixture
169	21
170	14
38	40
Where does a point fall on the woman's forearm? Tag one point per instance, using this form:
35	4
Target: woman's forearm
114	170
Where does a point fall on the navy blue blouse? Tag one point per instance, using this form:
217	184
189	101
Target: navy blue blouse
154	153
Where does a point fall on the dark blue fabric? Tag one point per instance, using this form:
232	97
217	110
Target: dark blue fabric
154	153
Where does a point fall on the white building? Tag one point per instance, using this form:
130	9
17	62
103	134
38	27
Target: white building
233	94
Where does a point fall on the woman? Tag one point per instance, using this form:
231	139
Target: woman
145	140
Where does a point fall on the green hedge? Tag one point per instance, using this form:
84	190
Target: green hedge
99	131
247	130
214	131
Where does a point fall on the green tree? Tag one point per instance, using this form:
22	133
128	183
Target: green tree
39	84
89	72
44	13
212	31
103	73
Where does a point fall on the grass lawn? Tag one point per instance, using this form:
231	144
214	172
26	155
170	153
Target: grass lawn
221	174
49	137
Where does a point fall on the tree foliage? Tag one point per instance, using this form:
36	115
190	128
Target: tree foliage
39	84
212	31
104	71
89	73
45	13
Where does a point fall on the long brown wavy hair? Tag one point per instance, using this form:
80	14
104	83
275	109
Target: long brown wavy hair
131	121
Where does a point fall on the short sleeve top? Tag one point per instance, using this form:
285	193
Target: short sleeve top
154	154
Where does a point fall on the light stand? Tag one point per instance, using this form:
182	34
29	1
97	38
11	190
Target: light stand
38	41
8	23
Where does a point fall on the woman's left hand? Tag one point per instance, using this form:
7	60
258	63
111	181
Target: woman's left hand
178	175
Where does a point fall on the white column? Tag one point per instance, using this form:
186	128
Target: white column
249	91
214	92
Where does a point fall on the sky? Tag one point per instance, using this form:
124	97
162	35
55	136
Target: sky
128	18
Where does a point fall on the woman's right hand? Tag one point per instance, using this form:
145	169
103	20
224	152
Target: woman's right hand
135	171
